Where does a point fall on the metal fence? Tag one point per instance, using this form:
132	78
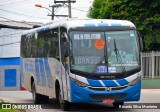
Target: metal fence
150	65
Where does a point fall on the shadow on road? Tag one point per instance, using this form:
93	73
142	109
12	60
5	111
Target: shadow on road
83	107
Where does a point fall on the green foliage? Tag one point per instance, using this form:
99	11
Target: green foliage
145	14
7	110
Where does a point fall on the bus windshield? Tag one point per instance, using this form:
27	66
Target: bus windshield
104	52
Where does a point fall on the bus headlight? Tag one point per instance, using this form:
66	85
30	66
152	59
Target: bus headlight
135	81
79	83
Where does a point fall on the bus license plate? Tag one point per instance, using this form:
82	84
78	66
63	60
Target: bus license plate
108	100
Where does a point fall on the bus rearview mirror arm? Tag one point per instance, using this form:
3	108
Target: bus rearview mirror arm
66	36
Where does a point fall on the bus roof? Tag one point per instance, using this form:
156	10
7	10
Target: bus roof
73	23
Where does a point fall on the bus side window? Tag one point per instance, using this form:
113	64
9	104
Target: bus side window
47	45
28	46
54	44
33	46
40	45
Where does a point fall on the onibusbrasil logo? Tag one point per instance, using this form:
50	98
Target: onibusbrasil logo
21	106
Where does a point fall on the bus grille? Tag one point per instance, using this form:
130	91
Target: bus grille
104	88
108	96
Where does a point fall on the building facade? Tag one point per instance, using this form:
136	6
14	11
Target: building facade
10	34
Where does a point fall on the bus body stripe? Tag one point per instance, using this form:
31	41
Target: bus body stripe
102	83
42	72
89	25
116	82
103	24
109	83
116	24
122	82
94	83
38	77
48	72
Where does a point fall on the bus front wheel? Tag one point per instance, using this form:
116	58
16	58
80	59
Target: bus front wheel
65	105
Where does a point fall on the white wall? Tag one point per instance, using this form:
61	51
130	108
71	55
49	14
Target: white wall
10	42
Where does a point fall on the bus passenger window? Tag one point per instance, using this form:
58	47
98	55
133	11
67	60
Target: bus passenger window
54	44
33	46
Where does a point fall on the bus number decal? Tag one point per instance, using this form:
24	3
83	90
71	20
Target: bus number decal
102	69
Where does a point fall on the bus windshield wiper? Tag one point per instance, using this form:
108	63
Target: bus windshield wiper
116	51
118	57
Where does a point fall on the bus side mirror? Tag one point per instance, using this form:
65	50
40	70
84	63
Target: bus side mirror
140	41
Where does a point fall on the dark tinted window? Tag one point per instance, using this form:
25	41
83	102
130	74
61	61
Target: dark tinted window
26	46
41	44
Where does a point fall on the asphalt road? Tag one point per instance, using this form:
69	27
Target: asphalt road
147	96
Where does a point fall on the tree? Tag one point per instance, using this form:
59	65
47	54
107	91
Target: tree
145	14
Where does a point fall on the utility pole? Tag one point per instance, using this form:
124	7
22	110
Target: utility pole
69	5
69	9
53	11
52	16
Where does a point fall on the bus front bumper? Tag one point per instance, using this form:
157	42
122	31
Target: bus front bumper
82	94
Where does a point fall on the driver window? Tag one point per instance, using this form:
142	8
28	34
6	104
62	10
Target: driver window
64	45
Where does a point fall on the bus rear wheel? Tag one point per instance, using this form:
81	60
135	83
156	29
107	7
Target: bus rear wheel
38	98
65	105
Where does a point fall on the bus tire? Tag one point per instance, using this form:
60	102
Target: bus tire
36	96
116	105
65	105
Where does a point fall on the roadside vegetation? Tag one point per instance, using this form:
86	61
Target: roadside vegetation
143	13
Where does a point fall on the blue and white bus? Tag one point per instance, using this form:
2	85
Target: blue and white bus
82	60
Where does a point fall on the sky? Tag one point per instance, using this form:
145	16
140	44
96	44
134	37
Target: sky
25	10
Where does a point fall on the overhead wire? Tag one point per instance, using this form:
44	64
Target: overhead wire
30	16
24	11
22	14
77	9
57	9
65	6
11	34
12	3
9	43
11	20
